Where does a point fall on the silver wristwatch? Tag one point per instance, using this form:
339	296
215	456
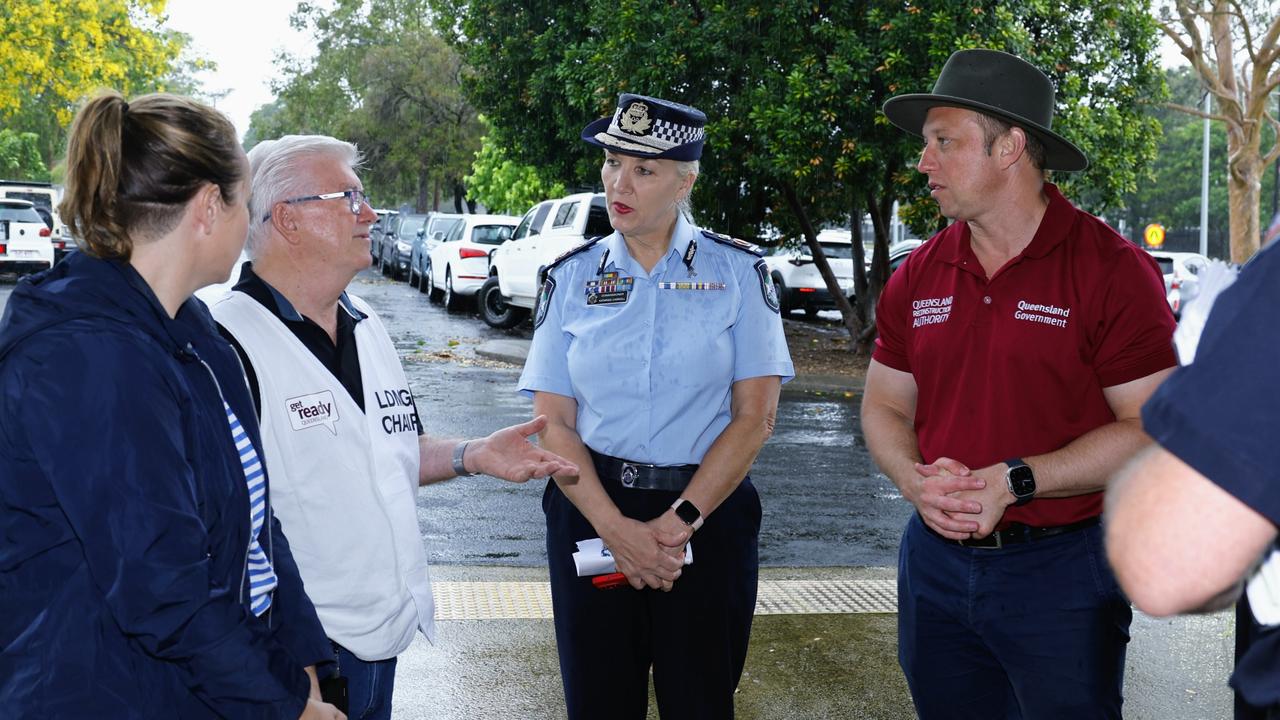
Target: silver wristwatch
460	452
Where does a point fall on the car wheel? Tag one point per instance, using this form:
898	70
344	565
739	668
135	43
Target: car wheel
422	281
452	300
428	279
494	309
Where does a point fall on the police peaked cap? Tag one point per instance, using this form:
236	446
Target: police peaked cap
650	127
998	84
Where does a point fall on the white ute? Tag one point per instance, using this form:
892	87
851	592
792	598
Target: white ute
548	230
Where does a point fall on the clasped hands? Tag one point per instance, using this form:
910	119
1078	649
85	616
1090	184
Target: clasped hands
959	503
650	554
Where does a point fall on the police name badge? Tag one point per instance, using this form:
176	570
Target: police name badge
610	289
544	301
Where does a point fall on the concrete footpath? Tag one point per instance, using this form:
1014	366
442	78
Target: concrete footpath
824	642
823	646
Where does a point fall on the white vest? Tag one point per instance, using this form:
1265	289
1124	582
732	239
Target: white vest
343	482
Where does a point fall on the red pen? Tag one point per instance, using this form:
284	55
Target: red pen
610	581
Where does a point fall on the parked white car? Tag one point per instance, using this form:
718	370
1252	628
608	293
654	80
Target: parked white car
45	198
800	285
24	238
548	230
459	265
899	251
1180	270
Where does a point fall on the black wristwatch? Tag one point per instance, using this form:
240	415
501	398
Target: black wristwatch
688	513
1020	480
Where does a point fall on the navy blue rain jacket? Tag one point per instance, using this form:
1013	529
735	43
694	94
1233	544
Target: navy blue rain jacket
124	514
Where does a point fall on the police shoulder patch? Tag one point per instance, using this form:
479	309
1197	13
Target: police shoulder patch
544	300
733	242
767	288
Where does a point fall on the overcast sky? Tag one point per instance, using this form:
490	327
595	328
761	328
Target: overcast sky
242	37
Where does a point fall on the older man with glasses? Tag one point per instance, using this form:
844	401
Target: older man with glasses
344	444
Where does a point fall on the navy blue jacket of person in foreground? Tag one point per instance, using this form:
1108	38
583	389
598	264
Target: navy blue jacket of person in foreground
124	518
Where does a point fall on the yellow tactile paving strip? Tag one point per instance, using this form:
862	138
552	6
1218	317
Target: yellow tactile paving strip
532	600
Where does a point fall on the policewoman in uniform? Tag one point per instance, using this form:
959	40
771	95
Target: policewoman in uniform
657	357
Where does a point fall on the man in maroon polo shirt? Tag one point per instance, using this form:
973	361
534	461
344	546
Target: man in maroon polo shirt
1016	349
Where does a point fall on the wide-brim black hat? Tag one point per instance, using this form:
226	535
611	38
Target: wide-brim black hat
995	83
650	127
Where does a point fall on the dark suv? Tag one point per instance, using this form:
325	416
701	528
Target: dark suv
397	243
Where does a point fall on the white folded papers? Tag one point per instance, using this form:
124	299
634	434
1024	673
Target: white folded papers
593	558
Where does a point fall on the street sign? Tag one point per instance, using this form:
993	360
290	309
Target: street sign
1154	235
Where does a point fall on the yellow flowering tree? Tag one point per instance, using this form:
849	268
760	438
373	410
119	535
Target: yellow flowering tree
53	53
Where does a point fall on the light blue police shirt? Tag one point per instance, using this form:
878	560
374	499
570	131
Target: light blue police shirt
653	375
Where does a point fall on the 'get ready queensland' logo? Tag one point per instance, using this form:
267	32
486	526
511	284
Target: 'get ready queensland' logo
310	410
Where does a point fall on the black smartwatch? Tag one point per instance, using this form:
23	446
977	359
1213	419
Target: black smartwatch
688	513
1021	481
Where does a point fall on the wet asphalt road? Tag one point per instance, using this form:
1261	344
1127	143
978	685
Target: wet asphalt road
824	502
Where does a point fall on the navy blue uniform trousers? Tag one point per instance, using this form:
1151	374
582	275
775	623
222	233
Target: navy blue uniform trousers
694	637
1033	631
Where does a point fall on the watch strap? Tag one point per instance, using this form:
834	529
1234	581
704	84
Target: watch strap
684	510
459	455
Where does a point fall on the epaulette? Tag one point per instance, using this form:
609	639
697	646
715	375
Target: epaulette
543	271
733	242
573	251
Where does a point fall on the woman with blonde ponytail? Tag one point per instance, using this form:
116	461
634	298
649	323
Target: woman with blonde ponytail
142	572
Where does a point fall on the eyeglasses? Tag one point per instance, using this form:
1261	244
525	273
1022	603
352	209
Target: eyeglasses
357	199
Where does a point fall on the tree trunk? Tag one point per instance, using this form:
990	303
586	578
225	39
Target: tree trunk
824	268
1244	186
859	264
424	187
458	192
879	209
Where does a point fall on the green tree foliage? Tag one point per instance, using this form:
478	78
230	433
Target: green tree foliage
793	88
505	186
20	156
385	80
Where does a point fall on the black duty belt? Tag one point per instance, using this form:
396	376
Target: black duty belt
1017	533
642	476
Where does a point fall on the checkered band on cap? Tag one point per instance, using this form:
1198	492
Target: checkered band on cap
650	127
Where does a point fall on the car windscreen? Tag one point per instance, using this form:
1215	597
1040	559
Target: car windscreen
491	234
43	200
410	226
20	214
598	219
1166	265
836	251
445	226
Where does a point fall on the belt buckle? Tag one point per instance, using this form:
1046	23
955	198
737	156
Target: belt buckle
980	543
630	473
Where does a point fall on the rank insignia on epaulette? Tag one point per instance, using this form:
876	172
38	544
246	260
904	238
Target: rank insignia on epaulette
734	242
